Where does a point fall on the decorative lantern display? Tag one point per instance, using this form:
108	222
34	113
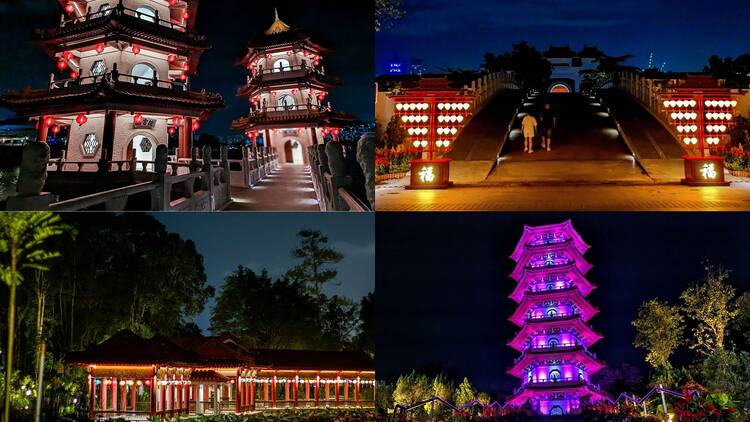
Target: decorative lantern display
433	123
183	77
49	121
138	118
186	16
81	119
55	129
68	55
171	58
702	118
136	48
74	74
186	68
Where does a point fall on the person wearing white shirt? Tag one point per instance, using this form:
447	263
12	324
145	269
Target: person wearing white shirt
528	126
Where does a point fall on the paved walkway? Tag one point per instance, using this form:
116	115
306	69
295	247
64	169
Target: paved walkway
565	197
290	188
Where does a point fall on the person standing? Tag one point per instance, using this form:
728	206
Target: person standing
548	122
528	126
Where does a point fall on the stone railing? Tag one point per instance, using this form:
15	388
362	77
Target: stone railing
647	93
333	169
486	86
255	165
195	186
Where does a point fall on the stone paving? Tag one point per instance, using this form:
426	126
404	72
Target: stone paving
289	188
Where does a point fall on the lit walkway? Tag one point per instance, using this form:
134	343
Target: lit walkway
290	188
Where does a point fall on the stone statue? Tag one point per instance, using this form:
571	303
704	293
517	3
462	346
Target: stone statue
33	171
206	156
366	160
336	159
161	159
322	157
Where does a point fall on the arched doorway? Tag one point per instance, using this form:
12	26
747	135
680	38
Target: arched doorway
143	74
556	411
143	147
281	65
293	152
146	13
285	101
560	88
554	375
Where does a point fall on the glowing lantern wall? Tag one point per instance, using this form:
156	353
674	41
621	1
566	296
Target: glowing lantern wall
555	365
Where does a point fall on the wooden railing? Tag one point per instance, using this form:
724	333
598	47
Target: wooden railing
115	76
120	9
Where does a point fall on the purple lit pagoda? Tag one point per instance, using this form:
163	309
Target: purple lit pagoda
555	364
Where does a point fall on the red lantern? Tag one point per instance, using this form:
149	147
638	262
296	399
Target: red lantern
171	130
100	48
186	16
315	63
138	118
196	125
74	75
171	58
70	8
136	48
186	68
183	77
68	55
81	119
49	121
171	2
176	120
62	65
55	129
294	91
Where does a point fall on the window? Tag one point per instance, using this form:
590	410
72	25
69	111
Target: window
98	68
146	144
146	13
285	101
281	65
553	342
554	375
90	144
556	411
105	9
551	312
144	74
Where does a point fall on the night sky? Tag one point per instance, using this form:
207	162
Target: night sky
346	27
443	281
265	240
456	34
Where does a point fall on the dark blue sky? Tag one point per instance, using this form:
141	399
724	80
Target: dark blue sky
346	27
456	34
442	282
265	240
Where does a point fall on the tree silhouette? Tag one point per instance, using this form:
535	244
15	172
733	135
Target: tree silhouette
317	257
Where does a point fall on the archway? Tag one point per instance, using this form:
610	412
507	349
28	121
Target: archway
556	411
554	375
143	74
285	101
144	149
293	152
146	13
281	65
559	88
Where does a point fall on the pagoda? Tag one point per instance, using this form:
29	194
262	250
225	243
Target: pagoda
555	365
122	81
286	89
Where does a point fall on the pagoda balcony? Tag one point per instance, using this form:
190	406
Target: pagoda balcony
119	78
290	72
121	10
300	113
553	318
558	383
545	291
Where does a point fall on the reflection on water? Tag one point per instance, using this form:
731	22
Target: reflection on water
8	180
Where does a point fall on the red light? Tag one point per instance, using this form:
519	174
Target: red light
177	120
136	48
196	125
70	8
81	119
55	129
100	48
186	68
138	119
171	58
186	16
183	77
171	2
316	62
68	55
171	130
74	75
62	65
49	121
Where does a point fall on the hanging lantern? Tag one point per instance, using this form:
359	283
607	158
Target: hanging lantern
100	48
171	58
186	16
186	68
62	65
138	118
196	125
136	48
316	62
55	129
171	130
81	119
74	75
176	120
49	121
70	8
183	77
68	55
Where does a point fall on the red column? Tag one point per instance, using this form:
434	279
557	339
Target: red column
152	390
286	392
186	138
92	396
114	393
163	389
238	395
296	390
41	129
317	391
123	397
104	405
252	395
273	392
336	391
356	393
132	396
307	390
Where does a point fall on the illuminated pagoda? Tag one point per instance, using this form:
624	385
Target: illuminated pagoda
555	365
134	378
286	89
122	81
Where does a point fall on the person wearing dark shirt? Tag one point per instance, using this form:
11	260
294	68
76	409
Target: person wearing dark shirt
547	123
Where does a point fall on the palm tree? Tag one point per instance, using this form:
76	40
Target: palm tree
23	238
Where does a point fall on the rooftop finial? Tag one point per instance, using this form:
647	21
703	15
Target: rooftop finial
277	26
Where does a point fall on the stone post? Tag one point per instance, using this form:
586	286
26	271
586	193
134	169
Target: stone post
338	177
247	180
208	183
161	196
366	160
194	163
31	178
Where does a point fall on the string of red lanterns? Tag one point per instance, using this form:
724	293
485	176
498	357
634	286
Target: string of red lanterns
81	119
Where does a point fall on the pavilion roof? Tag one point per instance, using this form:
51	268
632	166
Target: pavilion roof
224	350
579	388
128	348
208	376
109	94
570	271
574	354
281	35
314	359
312	119
530	232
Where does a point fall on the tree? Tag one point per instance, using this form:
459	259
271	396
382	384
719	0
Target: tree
531	68
316	258
386	12
411	388
442	386
659	328
464	393
24	239
484	398
365	339
711	305
728	371
740	327
735	71
395	134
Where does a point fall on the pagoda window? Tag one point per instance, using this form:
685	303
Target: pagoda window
551	312
580	374
146	13
281	65
144	74
556	411
98	68
105	9
90	145
285	101
554	375
553	342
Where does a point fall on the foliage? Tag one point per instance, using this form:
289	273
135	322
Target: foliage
395	160
740	327
532	70
317	257
464	393
365	339
412	388
737	159
710	305
384	395
395	134
707	406
659	328
22	394
734	70
616	380
442	386
386	12
728	371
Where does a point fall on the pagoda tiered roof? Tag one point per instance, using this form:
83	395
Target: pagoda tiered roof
572	256
585	334
578	388
298	76
534	236
278	37
313	117
530	300
108	94
575	354
564	275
